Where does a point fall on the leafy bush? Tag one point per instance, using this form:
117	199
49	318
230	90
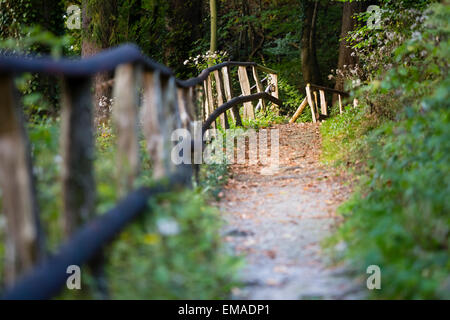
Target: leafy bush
399	220
174	253
146	261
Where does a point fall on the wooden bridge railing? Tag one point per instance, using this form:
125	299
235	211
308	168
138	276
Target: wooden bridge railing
166	103
313	92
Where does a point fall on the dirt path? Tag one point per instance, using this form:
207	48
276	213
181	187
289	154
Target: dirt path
278	221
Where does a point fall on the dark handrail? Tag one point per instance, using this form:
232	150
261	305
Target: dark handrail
106	60
46	279
343	93
237	100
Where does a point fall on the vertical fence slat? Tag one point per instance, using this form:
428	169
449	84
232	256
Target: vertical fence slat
340	104
259	87
221	98
199	102
311	102
125	118
210	97
169	119
150	123
205	107
249	113
274	81
190	95
299	110
77	148
230	94
182	97
316	104
323	103
18	193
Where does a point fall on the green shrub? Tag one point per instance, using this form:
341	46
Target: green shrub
143	262
400	217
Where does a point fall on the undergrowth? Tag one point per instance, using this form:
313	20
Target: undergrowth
399	141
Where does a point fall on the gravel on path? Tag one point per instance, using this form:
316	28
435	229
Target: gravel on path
278	221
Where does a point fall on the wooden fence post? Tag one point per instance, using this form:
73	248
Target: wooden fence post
229	95
77	147
340	104
182	98
316	104
18	193
249	113
199	103
150	123
299	110
323	103
125	118
205	107
311	102
221	98
273	78
210	97
259	87
169	119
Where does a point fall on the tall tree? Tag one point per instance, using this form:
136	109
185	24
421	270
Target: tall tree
348	24
213	42
98	18
310	65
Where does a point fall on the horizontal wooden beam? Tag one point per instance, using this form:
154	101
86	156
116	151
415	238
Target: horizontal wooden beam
316	87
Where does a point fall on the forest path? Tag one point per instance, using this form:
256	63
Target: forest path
278	221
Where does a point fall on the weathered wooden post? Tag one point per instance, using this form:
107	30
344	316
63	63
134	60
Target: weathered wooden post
316	104
323	103
210	98
273	78
229	95
205	102
183	100
259	87
125	109
18	194
341	110
77	147
249	113
311	102
221	98
150	123
299	110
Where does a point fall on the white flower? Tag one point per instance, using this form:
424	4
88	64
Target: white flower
416	36
186	62
167	226
57	159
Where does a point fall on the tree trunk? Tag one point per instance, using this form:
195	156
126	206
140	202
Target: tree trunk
345	52
90	47
213	44
213	41
310	66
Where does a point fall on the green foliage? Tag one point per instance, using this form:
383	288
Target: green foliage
174	253
39	92
264	119
290	96
399	220
145	262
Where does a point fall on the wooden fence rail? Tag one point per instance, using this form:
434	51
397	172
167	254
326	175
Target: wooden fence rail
313	92
144	92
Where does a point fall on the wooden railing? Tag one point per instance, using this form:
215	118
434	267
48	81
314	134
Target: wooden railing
166	103
313	94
